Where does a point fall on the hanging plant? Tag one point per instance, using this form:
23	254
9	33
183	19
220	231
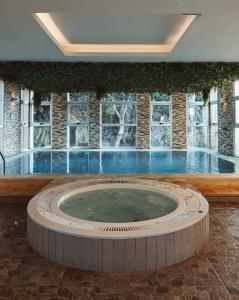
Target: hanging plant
205	95
37	99
100	91
62	77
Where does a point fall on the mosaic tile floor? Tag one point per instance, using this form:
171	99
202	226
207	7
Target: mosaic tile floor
214	274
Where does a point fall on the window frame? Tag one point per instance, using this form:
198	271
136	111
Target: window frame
236	124
77	125
194	103
161	124
34	124
104	100
213	102
25	122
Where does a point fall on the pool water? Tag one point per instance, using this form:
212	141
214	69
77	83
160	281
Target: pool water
118	162
118	205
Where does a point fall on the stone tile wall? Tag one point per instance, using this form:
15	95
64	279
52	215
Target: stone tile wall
143	121
11	119
1	113
94	122
179	121
59	121
226	121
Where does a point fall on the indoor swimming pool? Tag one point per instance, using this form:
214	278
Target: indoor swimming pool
118	162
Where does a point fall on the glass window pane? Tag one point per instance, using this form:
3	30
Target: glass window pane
46	97
78	97
236	141
190	136
79	136
199	97
78	113
118	113
214	117
160	113
214	137
213	94
197	136
237	111
160	97
191	115
160	136
236	88
1	138
200	136
191	97
42	136
130	97
1	101
199	114
1	112
118	108
42	114
195	114
118	136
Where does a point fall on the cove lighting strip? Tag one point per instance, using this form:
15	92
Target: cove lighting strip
69	49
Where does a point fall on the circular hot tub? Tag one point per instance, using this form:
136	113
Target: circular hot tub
120	225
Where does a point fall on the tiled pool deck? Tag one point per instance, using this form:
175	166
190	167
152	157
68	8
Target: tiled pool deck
214	274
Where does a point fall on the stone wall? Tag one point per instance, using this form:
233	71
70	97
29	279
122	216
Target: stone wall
143	121
226	121
59	121
179	121
1	113
11	119
94	122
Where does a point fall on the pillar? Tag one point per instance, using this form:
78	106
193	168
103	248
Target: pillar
59	121
179	121
143	121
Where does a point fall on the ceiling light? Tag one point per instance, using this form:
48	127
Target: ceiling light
70	49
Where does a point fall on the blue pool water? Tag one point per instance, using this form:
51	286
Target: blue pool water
118	162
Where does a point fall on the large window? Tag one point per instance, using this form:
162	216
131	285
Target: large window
118	120
236	138
41	123
78	120
160	120
197	120
214	119
25	118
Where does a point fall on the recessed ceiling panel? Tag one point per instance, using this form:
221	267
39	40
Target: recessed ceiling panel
78	34
108	28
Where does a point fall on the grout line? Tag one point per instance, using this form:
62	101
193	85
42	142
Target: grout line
60	283
219	278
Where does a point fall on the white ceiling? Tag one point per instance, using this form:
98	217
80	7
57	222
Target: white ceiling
212	37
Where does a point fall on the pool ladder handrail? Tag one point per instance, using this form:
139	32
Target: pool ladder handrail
4	163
